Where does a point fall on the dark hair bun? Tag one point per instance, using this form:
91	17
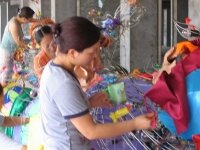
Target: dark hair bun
41	31
57	30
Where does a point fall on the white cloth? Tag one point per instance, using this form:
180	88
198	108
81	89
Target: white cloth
8	144
6	60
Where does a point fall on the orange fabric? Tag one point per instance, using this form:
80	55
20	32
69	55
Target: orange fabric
40	60
44	21
185	46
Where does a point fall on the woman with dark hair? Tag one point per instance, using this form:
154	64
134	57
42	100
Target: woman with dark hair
66	121
44	37
11	41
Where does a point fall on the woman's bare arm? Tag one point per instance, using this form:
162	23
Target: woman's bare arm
14	121
92	130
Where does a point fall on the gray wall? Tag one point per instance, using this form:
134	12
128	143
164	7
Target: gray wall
46	8
62	9
144	37
182	13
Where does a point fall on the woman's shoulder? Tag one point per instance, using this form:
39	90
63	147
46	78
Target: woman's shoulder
13	22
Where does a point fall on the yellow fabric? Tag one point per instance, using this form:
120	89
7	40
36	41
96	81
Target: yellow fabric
35	137
10	85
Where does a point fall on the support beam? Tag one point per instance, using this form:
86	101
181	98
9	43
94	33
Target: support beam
125	41
159	31
62	9
3	17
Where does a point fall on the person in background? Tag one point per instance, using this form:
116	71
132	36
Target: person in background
12	40
6	121
44	37
66	121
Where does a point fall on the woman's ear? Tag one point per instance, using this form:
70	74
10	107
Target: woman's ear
73	53
53	47
25	20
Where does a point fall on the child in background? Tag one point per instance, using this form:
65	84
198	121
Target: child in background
44	37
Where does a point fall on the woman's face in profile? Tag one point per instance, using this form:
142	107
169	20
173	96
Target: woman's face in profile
46	45
87	55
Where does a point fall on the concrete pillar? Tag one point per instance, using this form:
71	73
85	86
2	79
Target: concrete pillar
144	37
62	9
194	12
125	38
46	8
3	17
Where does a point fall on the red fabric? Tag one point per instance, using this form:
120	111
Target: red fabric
196	139
170	90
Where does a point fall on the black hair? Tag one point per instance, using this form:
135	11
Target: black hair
41	31
25	12
1	89
195	33
76	33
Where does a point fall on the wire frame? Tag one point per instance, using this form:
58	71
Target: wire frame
184	30
113	20
135	14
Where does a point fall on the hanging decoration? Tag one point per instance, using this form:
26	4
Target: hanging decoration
187	30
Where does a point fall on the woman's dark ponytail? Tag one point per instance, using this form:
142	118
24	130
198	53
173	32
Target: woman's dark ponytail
57	30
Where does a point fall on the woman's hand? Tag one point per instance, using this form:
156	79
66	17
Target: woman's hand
105	41
132	2
144	121
100	100
167	66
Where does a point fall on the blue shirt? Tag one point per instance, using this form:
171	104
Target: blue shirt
7	42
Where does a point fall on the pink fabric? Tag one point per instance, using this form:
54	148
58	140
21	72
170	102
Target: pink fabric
170	90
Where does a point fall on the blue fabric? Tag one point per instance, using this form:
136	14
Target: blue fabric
20	133
193	93
8	47
9	97
7	42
